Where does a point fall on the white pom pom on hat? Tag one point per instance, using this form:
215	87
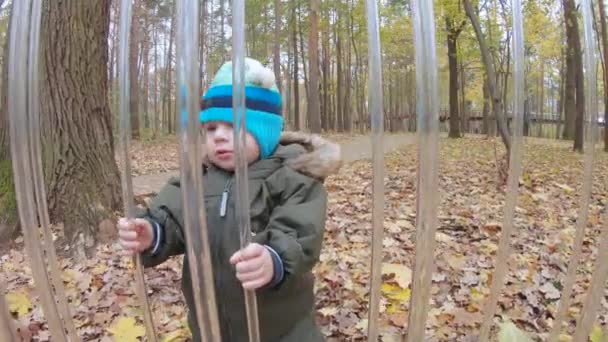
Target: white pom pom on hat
258	74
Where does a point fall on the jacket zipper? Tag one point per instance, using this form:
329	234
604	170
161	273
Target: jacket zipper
224	199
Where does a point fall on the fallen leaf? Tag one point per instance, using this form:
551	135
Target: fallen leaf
403	275
125	329
509	332
19	303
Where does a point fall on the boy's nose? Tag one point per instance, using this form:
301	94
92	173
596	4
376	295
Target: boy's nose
222	133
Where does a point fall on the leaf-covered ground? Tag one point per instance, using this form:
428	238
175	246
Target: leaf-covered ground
470	215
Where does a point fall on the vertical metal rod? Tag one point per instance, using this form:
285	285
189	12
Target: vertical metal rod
598	282
428	150
195	220
239	120
377	140
33	100
585	195
20	144
125	132
504	248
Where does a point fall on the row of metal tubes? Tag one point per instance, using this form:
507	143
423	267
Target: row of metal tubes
190	165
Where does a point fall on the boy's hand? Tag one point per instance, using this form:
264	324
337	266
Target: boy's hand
254	266
135	236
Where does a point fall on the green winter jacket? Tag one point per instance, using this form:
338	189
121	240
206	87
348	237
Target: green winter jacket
288	211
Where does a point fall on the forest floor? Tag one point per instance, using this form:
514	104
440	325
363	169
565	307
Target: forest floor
105	308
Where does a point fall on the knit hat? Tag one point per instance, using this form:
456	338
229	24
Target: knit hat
264	119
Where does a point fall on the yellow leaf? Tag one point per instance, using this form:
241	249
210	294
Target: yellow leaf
177	335
125	329
476	295
395	292
403	275
509	332
566	188
394	308
19	303
597	335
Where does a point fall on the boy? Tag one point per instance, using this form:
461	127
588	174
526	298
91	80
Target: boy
287	209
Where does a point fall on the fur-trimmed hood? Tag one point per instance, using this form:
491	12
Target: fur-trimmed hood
320	159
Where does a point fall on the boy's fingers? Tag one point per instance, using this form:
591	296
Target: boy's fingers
127	235
130	245
253	285
252	250
250	276
249	265
235	258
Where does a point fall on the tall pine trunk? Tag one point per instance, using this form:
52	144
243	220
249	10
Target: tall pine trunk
452	36
82	178
325	109
570	95
605	56
8	206
295	77
134	71
575	52
276	58
314	116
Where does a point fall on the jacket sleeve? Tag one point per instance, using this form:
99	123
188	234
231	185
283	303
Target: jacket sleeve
296	223
165	213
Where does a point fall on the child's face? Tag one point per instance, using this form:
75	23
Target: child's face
220	145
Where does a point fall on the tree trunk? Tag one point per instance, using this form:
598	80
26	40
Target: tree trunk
570	96
339	86
560	103
494	92
486	109
134	71
325	112
146	66
605	56
314	115
541	97
303	57
575	52
8	206
82	178
168	86
156	118
464	106
452	35
347	112
277	42
295	78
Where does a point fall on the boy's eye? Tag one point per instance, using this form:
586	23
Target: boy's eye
210	127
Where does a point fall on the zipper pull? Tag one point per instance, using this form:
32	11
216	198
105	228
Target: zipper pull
224	203
224	200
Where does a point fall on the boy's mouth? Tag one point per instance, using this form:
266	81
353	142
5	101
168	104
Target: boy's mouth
224	154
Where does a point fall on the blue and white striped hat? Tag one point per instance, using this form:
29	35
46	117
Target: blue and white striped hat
264	120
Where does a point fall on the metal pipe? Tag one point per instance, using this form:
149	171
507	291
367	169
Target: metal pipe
598	281
20	143
195	218
428	150
504	248
125	132
33	99
239	120
377	122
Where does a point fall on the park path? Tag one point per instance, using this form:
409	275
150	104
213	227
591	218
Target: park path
353	149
